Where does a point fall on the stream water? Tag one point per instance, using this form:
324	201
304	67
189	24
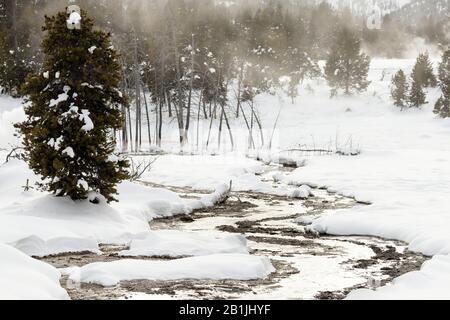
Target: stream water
308	266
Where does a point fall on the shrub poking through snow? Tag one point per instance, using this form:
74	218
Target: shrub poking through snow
442	107
68	134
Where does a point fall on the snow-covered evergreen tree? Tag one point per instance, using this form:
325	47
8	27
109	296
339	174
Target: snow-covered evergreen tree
416	97
443	104
423	71
72	110
399	89
347	67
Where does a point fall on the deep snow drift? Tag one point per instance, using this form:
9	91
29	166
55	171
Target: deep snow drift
22	277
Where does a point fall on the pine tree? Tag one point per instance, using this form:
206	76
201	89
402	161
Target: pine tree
347	67
443	104
416	96
423	71
399	89
72	110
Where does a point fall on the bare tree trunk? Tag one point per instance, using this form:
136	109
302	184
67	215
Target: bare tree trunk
224	114
137	80
191	85
204	109
169	103
124	113
124	131
251	127
209	131
220	128
157	138
148	120
258	124
200	101
180	102
162	97
241	78
131	128
160	124
229	128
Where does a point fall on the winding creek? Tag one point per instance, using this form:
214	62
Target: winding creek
308	265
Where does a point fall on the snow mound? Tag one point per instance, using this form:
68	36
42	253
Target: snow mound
212	267
430	283
217	196
23	278
178	244
36	247
303	192
151	203
43	224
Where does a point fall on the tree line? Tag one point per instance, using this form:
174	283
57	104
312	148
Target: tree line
409	92
195	60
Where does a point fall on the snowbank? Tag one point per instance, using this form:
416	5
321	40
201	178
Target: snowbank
205	172
150	202
23	278
430	283
41	224
179	244
51	221
36	247
213	267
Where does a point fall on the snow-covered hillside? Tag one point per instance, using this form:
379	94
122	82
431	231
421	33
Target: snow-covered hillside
436	11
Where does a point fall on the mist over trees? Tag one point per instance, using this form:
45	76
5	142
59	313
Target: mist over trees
186	61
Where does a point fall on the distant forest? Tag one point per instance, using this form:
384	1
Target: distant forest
188	58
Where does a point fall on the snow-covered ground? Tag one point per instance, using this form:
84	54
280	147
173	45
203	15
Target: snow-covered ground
402	169
22	277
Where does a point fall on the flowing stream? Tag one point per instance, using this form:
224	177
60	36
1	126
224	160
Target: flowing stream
308	266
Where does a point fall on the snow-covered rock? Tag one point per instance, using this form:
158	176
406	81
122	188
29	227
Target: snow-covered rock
302	192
